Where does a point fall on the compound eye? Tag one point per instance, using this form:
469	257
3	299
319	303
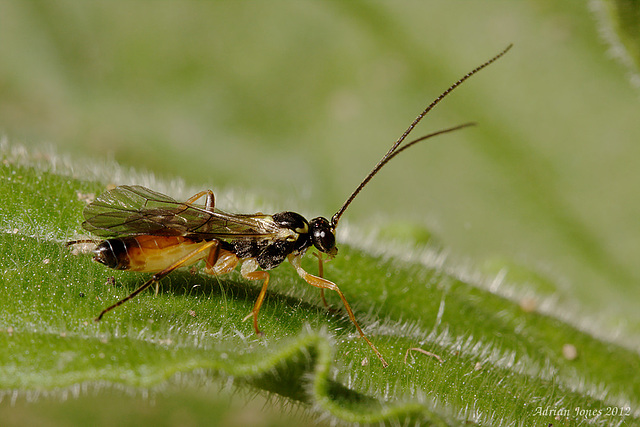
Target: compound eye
322	235
323	240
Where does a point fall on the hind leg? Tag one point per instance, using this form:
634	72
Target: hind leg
211	246
209	199
220	262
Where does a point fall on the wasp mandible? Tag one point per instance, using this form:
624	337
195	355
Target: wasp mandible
149	232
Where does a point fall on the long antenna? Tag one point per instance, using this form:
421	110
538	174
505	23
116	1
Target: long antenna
392	151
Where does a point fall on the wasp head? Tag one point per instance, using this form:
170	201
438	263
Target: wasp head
323	235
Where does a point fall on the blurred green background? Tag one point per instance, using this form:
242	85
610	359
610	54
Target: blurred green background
294	101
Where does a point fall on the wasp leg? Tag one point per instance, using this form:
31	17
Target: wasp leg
321	274
220	262
321	283
212	258
248	271
209	201
158	276
209	204
225	262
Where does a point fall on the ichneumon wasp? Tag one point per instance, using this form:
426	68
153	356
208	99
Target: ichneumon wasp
149	232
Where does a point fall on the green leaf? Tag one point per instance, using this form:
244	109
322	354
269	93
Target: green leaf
506	250
481	358
620	20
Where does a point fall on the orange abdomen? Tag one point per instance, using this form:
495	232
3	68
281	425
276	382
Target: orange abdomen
146	253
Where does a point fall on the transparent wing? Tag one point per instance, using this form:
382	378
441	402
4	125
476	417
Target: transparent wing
130	210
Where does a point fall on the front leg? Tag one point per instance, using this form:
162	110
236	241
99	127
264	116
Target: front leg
322	283
321	274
